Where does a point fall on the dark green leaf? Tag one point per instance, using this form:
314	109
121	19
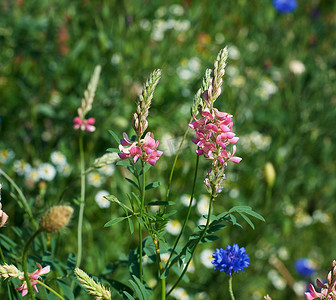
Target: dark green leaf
115	150
66	289
246	218
209	238
111	132
152	185
132	182
128	295
160	203
114	221
131	226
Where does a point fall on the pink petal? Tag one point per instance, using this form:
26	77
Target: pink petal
90	121
234	140
235	159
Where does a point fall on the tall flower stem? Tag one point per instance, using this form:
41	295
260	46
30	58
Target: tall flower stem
188	213
230	289
24	263
82	202
141	217
23	198
175	160
195	246
163	280
50	289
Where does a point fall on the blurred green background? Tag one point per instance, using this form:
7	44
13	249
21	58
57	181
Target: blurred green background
279	85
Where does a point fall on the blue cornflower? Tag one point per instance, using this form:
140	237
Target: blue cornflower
285	6
231	259
305	266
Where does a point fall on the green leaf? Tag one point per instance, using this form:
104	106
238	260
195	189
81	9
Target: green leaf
114	221
114	136
128	295
137	289
145	290
116	150
152	185
246	218
215	228
164	274
132	182
209	238
66	289
254	214
131	226
125	163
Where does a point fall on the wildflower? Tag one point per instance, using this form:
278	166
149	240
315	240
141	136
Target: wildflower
80	121
95	179
145	150
56	218
32	175
305	266
164	257
58	158
180	294
101	200
3	215
6	155
47	171
173	227
285	6
296	67
232	259
185	200
206	256
203	205
107	170
10	271
94	288
21	167
64	170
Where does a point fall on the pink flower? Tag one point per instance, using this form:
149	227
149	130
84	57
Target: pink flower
213	134
147	149
33	279
3	216
84	124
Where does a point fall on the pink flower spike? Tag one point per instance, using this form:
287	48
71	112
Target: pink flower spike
234	140
312	294
78	122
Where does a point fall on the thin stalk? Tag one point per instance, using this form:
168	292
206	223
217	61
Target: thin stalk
188	213
24	263
175	160
50	289
82	203
2	256
230	289
163	280
194	248
23	198
141	216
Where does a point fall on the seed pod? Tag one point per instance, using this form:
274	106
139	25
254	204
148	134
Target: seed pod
56	218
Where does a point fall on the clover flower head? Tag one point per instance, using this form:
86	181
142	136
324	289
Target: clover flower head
232	259
285	6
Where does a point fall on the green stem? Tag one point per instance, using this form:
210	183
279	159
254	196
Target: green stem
141	216
188	213
163	280
2	256
23	198
194	248
82	203
230	289
24	263
175	160
50	289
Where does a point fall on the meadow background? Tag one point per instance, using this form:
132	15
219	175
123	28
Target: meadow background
284	114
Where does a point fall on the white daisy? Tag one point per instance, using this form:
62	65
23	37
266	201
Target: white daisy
47	171
296	67
64	170
58	158
203	205
107	170
173	227
95	179
21	167
101	201
180	294
185	200
32	175
6	155
164	257
206	258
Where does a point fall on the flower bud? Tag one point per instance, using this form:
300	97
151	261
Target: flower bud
56	218
270	174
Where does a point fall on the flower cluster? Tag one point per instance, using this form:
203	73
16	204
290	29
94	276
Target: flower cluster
213	134
80	121
328	291
145	149
10	271
232	259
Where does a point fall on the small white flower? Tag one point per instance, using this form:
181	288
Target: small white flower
206	258
232	71
202	296
219	38
194	64
173	227
33	175
300	287
64	170
176	9
145	24
234	193
107	170
203	205
58	158
46	171
157	35
101	201
191	267
115	59
297	67
180	294
164	257
95	179
238	81
234	52
182	26
185	200
283	253
161	12
6	155
185	73
21	167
